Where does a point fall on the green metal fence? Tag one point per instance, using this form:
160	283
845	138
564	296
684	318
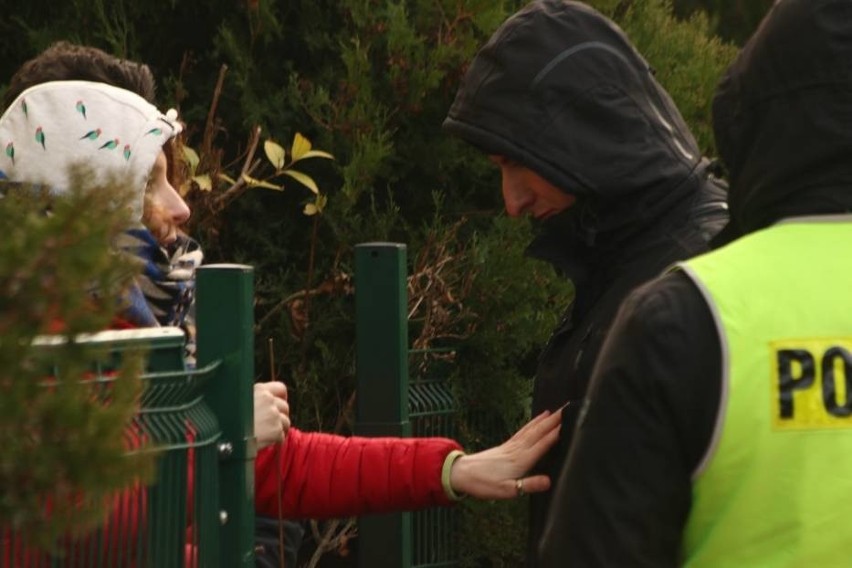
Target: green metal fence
225	300
199	512
390	403
432	412
200	509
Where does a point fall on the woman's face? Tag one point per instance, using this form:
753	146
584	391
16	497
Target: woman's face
165	209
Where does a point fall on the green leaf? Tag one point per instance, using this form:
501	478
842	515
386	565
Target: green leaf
304	179
301	146
204	182
317	206
315	154
253	182
191	157
322	200
275	153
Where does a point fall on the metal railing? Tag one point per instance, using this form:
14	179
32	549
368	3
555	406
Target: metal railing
390	403
199	511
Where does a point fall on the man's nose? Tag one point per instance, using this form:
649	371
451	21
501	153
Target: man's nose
515	198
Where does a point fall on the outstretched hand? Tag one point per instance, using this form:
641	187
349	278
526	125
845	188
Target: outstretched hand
271	413
500	472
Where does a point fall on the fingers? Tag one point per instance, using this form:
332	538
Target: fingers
282	409
281	405
271	412
541	424
528	446
549	421
533	424
497	472
285	421
285	426
517	488
276	388
546	436
541	446
539	433
535	484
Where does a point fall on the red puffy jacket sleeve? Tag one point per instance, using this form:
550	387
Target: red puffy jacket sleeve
328	476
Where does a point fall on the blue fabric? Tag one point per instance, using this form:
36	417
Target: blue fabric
164	292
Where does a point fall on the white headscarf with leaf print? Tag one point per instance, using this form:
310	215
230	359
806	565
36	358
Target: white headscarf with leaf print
54	126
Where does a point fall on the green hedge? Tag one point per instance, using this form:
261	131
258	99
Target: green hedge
369	81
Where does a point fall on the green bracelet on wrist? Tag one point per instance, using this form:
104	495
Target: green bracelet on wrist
445	475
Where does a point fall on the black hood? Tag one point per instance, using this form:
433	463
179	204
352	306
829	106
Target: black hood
560	89
782	116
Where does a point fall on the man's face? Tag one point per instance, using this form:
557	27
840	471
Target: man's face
527	193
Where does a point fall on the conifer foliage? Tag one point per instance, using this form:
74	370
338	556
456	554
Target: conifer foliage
62	434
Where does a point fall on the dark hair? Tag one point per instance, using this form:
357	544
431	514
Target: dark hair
64	61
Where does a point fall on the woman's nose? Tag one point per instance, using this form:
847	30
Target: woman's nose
176	207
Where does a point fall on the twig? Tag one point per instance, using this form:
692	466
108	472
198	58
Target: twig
347	408
308	284
288	300
209	130
249	165
331	539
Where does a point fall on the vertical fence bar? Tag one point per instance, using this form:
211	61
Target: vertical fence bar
381	340
225	323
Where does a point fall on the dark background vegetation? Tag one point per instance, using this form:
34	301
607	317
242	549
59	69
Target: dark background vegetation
370	81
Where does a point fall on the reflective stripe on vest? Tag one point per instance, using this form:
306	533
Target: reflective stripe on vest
775	487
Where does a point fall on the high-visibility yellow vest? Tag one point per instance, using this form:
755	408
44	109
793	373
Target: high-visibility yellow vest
775	488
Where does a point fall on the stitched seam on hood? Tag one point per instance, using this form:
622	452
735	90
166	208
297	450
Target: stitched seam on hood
573	51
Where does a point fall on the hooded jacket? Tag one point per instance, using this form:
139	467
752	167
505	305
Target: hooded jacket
560	89
783	121
781	116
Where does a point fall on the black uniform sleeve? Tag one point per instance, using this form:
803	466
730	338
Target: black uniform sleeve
624	493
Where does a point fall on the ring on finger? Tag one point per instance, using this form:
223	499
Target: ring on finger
519	485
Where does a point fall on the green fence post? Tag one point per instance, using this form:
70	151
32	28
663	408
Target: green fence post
225	323
381	339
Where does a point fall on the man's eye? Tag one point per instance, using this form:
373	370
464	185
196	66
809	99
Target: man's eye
502	160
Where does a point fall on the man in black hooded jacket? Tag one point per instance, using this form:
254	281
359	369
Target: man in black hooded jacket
594	148
718	427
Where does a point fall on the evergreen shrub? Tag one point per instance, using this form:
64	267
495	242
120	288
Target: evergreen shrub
63	438
370	82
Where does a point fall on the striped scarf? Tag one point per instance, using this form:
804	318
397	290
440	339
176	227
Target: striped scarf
163	293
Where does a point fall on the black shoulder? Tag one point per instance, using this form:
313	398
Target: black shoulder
665	337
